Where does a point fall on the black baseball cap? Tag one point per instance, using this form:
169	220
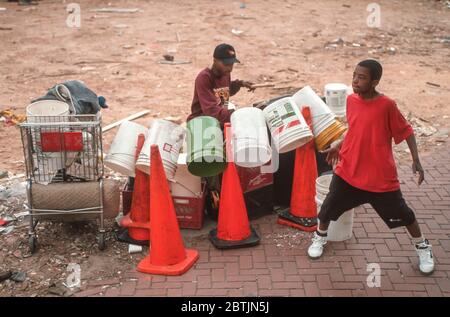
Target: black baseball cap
226	54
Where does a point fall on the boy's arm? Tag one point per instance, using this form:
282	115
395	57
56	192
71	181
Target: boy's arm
333	151
416	166
236	85
402	130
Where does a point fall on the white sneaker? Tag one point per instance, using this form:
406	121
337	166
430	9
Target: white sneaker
426	259
315	250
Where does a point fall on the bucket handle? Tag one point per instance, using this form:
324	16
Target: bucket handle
197	195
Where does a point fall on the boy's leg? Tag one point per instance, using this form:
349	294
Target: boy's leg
341	197
394	211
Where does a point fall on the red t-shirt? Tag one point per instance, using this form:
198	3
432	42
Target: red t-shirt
211	94
366	160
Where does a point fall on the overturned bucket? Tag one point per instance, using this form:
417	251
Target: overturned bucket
251	147
169	138
326	128
287	125
121	156
205	147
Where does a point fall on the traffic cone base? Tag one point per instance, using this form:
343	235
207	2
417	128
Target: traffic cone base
251	241
305	224
137	231
177	269
137	220
124	236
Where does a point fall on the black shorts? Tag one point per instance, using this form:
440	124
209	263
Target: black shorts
390	206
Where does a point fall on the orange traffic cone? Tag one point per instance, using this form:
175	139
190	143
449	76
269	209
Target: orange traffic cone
303	212
233	229
137	220
167	254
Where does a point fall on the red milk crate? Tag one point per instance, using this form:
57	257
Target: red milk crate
252	178
190	210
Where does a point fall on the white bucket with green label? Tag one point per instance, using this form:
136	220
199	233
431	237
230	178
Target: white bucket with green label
287	125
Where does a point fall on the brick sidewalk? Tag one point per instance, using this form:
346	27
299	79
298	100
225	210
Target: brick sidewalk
279	265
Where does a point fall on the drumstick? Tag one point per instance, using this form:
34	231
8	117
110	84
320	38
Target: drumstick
262	85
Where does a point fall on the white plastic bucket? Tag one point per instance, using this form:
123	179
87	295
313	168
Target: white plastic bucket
251	147
184	183
321	115
46	108
169	137
121	156
336	97
47	111
287	125
341	229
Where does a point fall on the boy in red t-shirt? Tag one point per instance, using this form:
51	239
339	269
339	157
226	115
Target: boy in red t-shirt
365	170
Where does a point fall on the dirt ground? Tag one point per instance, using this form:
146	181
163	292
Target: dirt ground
288	43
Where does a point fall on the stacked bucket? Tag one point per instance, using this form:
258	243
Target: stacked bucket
287	125
326	128
169	137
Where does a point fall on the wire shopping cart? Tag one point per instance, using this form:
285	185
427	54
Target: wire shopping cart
64	169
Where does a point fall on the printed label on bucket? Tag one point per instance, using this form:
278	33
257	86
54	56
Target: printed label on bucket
283	118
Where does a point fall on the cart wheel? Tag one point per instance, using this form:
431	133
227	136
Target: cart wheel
32	244
101	241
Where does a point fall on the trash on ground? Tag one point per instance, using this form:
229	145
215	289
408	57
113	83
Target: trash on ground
132	248
421	127
6	230
168	57
5	275
11	118
237	32
18	276
180	62
116	10
433	84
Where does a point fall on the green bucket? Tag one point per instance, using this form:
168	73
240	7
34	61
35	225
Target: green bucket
206	154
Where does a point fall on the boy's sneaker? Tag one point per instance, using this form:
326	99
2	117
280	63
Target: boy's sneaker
426	259
315	250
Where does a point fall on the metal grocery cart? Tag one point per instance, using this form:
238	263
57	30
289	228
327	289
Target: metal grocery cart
64	169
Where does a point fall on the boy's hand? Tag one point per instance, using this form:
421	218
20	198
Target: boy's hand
248	85
332	155
417	167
